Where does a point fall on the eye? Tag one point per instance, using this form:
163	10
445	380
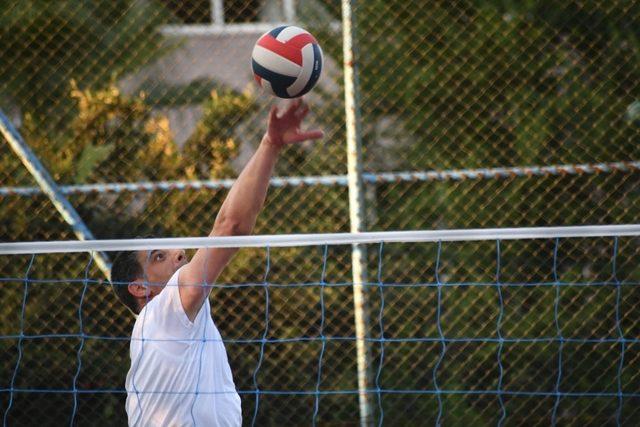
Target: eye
159	256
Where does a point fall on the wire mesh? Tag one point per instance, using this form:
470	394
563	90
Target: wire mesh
146	90
509	331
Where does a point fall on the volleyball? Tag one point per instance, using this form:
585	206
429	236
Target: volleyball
287	61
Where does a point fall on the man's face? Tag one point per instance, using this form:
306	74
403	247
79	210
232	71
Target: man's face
159	265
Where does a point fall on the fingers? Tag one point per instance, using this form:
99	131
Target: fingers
306	136
290	109
273	113
313	134
295	107
302	112
288	123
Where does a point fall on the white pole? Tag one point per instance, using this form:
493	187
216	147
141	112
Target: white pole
289	10
356	211
217	12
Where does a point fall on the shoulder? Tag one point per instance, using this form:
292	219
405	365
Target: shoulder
165	311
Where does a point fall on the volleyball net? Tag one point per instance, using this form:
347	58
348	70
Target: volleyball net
489	326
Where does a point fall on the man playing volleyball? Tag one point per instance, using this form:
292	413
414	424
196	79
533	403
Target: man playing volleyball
179	372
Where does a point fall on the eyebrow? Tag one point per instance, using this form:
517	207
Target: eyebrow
153	252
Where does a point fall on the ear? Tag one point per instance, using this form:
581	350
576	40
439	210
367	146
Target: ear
138	289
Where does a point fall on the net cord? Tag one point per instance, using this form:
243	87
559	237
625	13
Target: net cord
292	240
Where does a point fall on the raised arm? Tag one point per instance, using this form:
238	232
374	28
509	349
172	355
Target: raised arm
238	213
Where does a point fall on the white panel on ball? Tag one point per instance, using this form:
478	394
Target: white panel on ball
307	70
289	33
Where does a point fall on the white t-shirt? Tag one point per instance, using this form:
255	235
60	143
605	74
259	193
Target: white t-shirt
180	374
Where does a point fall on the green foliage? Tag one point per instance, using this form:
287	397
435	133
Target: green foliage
89	159
124	128
492	83
212	145
43	41
501	83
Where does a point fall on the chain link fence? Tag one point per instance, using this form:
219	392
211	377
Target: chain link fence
498	113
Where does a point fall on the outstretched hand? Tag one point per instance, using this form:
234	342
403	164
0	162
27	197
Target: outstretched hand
284	128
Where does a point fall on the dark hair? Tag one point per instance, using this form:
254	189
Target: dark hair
125	269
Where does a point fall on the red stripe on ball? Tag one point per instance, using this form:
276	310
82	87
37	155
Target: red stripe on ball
301	40
285	50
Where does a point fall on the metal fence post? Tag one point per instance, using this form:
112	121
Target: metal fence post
217	12
49	187
289	10
356	211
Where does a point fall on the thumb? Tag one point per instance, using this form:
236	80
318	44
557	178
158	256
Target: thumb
273	113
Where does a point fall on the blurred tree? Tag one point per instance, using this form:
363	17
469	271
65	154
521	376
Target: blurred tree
497	83
212	145
492	83
47	43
